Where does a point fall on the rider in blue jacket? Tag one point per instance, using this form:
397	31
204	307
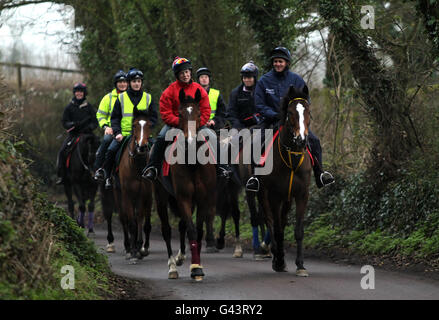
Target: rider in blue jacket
270	89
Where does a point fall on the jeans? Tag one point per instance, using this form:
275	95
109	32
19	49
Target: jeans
100	154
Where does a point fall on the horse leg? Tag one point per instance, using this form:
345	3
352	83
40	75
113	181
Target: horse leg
251	202
107	202
301	203
126	235
144	251
181	256
91	209
238	253
81	206
70	203
161	199
210	238
278	232
195	268
132	226
220	242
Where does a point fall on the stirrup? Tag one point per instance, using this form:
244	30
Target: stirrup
326	178
108	184
224	172
150	173
252	184
100	174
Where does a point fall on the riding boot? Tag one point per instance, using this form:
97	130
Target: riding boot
151	170
108	168
322	178
100	153
60	172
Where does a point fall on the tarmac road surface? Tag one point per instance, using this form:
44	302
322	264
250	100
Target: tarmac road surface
245	279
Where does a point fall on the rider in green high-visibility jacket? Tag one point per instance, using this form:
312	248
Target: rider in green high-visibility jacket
103	116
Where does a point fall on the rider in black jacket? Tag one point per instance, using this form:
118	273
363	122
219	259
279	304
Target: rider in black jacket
79	117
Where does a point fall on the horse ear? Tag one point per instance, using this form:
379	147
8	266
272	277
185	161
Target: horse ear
305	91
182	95
198	96
292	92
135	112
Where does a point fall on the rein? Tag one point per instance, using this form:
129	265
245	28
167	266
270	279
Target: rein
289	164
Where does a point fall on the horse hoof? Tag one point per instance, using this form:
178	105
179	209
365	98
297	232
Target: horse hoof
173	275
211	250
197	272
302	273
258	257
179	259
238	254
110	248
144	252
127	256
91	234
220	244
279	268
133	261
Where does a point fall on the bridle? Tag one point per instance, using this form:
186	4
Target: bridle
292	153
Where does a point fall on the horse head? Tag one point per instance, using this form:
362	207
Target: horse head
141	130
295	117
189	115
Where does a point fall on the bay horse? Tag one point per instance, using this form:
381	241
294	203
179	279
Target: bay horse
290	177
194	186
133	195
79	179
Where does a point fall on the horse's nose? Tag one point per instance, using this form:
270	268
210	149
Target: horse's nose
141	149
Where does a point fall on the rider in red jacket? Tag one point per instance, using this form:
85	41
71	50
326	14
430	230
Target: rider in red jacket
169	103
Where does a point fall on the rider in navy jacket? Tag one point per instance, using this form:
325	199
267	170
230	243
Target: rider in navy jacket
270	89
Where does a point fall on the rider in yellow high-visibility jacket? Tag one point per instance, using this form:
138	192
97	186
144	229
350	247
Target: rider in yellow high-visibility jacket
103	116
122	116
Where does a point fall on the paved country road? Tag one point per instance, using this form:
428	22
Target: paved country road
245	279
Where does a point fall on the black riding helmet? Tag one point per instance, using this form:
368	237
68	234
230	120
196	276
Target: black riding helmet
250	70
281	52
205	71
134	73
119	76
79	86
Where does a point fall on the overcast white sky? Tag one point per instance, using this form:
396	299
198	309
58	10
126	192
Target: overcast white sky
38	32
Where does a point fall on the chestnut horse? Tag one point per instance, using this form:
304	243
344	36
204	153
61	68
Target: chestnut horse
290	177
194	186
133	195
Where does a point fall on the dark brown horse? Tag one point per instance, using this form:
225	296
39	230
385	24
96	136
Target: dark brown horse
290	177
193	185
133	194
79	178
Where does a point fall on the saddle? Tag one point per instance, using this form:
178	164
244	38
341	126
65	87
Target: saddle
70	147
124	144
